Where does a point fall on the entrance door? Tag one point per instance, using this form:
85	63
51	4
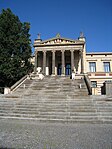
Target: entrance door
68	69
59	69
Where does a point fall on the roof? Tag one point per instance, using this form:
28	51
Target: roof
98	53
58	40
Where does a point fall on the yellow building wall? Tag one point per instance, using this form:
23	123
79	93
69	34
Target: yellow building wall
100	76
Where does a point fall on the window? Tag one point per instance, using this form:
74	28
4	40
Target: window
92	66
106	66
94	84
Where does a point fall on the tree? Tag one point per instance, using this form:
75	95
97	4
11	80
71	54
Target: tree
15	49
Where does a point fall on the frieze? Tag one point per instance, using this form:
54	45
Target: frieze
59	48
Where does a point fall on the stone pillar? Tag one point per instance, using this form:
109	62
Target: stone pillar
82	62
44	62
72	60
63	62
35	68
7	90
53	62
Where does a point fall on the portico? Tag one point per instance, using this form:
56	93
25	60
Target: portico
60	56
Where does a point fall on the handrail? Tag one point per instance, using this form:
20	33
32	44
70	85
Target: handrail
88	83
18	83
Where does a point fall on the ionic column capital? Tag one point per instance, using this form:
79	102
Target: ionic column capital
62	51
44	51
53	51
71	50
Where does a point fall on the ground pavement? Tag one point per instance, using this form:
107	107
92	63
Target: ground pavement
21	134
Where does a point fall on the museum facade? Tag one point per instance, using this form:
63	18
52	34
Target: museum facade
62	56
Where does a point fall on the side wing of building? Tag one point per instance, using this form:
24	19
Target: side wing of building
99	69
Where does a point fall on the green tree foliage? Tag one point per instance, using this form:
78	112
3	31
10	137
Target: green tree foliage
15	49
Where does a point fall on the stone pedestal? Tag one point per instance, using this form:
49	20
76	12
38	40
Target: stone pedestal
6	90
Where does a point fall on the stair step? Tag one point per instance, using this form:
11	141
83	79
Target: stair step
58	117
56	99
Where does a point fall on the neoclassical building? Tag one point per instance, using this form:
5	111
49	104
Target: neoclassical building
60	56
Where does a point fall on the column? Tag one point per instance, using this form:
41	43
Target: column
44	62
72	60
82	62
63	62
53	62
35	68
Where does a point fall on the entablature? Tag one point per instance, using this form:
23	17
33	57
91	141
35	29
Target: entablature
60	48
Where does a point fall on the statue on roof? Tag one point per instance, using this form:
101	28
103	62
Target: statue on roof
81	34
58	35
38	36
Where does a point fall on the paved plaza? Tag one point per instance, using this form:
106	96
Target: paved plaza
20	134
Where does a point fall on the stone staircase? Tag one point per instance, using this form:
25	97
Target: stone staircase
56	99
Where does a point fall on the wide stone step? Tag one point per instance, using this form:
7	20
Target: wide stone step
51	116
103	103
40	113
105	106
57	112
7	104
53	109
55	103
57	97
60	120
41	99
106	113
105	110
64	92
68	117
6	107
64	96
5	111
36	104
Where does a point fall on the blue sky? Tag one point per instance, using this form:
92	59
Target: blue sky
69	18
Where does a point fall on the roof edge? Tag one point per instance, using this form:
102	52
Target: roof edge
98	53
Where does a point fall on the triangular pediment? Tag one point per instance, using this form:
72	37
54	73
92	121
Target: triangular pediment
58	40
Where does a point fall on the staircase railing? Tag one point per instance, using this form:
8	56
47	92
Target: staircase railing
88	83
18	83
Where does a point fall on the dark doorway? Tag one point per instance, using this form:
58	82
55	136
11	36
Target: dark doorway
68	69
50	64
59	69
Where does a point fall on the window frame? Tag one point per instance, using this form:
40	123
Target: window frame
106	67
94	84
92	68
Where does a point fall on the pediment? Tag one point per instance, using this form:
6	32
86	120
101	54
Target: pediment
58	40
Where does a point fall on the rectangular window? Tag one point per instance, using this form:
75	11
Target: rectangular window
94	84
106	66
92	66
